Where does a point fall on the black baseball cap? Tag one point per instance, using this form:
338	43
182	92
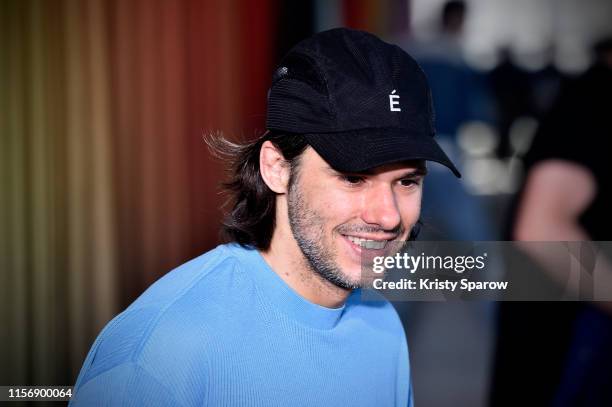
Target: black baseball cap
359	101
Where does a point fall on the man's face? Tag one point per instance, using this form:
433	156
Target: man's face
338	219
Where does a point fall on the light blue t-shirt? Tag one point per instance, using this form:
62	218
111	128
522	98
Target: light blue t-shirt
225	330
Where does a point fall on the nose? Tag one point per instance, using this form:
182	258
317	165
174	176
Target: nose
380	208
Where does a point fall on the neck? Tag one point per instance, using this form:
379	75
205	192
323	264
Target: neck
285	257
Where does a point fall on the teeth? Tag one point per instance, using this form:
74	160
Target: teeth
368	244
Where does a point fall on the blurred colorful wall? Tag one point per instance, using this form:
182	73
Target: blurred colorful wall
106	183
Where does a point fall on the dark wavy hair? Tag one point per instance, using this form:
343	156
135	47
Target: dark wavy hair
251	219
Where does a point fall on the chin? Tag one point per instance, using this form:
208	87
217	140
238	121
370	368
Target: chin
352	274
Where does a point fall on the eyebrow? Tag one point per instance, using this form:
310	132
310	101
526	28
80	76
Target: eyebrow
417	172
413	173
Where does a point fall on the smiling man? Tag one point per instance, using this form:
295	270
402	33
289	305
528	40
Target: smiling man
275	318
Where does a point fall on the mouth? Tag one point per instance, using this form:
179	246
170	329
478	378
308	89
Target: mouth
368	244
363	250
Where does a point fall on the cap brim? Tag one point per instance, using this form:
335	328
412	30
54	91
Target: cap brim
363	150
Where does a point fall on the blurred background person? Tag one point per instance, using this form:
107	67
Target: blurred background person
511	87
561	351
460	92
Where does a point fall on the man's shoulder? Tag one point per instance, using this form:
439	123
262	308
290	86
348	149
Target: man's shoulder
171	319
194	274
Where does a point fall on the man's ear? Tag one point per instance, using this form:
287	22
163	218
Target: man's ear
273	167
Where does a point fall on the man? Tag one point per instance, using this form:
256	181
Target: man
275	318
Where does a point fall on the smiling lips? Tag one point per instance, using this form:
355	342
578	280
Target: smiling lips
368	243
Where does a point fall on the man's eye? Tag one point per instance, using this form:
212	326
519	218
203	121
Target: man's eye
352	179
407	182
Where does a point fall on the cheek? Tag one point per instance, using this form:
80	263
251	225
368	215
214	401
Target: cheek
336	212
410	209
333	205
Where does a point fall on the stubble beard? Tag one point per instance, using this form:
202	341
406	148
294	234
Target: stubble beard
307	227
